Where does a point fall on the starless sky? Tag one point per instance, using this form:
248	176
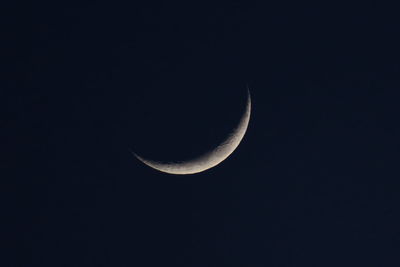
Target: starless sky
315	181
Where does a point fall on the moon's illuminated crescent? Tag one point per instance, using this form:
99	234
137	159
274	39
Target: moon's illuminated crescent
209	159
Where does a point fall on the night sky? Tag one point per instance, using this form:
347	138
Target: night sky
315	181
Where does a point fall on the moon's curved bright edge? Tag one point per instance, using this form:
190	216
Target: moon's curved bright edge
211	158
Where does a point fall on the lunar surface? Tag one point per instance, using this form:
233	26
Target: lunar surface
211	158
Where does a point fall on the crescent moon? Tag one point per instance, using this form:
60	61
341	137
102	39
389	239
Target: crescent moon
209	159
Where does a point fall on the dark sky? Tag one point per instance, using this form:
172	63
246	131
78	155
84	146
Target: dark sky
315	181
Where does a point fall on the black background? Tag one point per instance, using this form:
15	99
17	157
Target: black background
315	182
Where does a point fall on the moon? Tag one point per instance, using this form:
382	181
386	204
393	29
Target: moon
209	159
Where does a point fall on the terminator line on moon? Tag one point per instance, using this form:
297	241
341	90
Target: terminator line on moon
211	158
